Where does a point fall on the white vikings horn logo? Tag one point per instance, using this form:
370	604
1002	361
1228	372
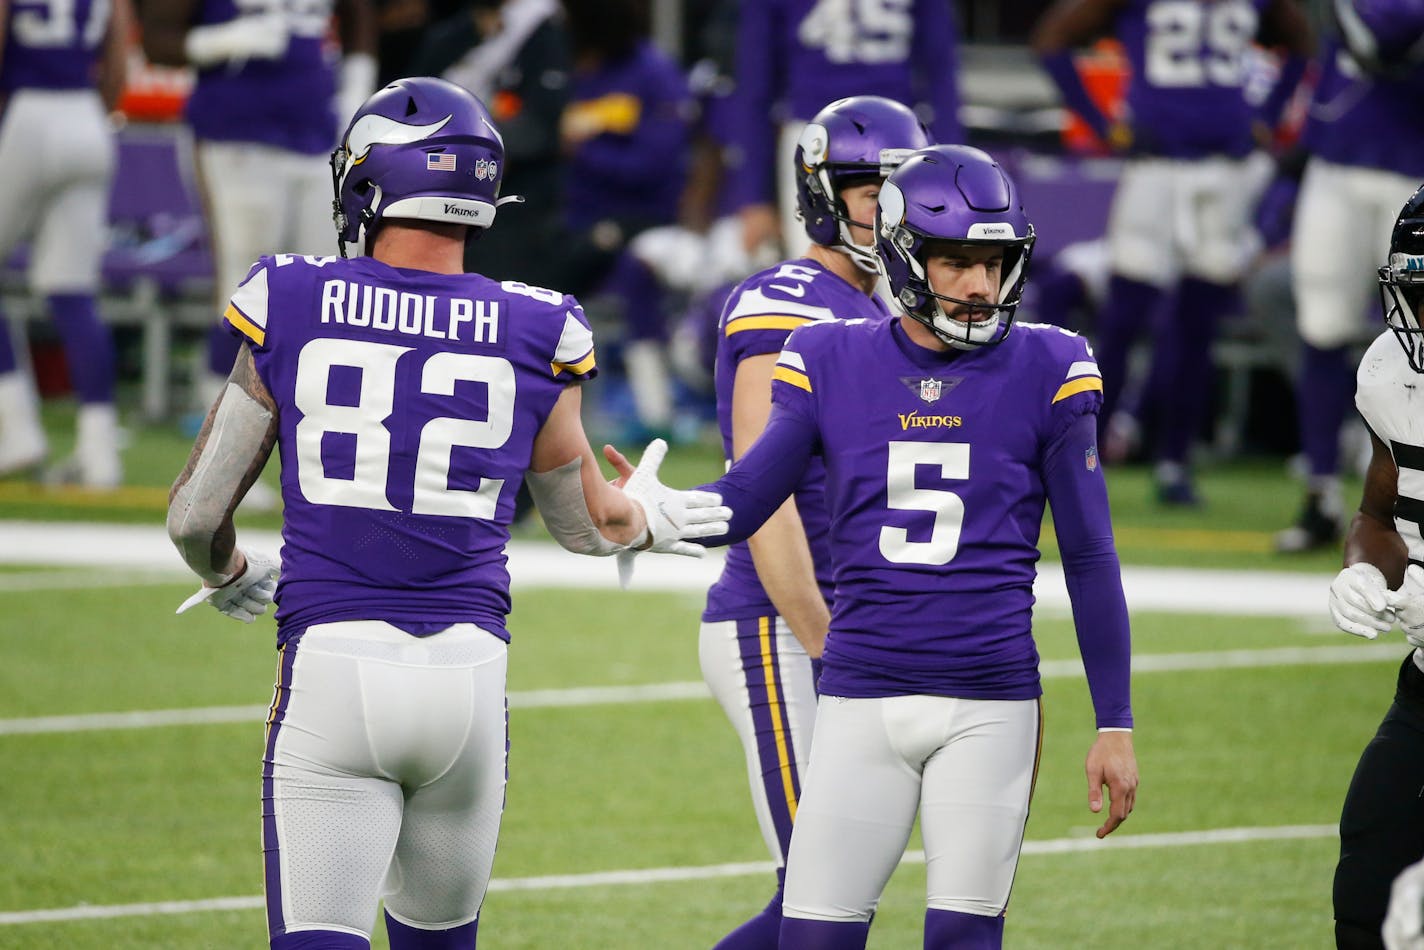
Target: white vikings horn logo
378	130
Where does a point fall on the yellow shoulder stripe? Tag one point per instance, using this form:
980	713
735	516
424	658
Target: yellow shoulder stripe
1080	385
245	326
788	375
582	366
765	323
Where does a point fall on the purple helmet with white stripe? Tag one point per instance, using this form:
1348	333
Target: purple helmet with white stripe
859	138
421	149
959	195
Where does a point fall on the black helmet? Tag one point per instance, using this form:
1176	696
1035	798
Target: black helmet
1402	280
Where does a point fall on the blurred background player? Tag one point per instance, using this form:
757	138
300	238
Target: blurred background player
1179	224
266	109
61	72
368	794
944	432
1382	823
1365	136
794	56
766	617
514	55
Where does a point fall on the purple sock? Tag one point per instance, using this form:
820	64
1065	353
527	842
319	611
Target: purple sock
320	940
951	930
800	934
1185	371
88	346
762	931
1324	396
1127	311
8	362
404	937
640	296
222	351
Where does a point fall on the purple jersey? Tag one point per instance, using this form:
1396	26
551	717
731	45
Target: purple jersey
1364	120
53	45
408	406
636	168
1188	58
760	313
936	491
287	102
794	57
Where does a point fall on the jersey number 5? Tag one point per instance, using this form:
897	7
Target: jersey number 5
365	421
952	460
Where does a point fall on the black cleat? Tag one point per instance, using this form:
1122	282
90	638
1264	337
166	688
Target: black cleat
1314	530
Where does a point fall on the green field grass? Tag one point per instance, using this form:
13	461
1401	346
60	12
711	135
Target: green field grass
113	817
104	817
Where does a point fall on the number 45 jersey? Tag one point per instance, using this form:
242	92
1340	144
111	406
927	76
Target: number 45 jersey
934	467
408	406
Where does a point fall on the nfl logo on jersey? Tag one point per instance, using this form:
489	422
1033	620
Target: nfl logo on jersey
931	389
1090	458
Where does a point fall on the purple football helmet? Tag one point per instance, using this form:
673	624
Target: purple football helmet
956	194
859	137
1402	280
421	149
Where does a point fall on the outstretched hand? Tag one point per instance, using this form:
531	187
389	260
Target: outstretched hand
1112	762
673	516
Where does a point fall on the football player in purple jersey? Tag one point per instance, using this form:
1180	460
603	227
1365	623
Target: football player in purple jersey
794	56
766	616
62	69
1179	224
1381	585
265	110
1365	137
407	401
943	435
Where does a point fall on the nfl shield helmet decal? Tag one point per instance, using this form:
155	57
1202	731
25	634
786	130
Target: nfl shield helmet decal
486	169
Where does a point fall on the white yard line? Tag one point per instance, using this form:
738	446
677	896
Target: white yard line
685	690
645	876
534	564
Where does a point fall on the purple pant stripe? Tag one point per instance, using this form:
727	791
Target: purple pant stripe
270	846
761	668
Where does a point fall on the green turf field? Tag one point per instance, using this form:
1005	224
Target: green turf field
1243	768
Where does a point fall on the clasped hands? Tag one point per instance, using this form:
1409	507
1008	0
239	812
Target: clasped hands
1362	603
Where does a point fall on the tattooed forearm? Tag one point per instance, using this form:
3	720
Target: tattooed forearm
230	452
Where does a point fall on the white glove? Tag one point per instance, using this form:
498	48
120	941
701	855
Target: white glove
246	596
673	516
1359	601
1408	605
258	36
1404	922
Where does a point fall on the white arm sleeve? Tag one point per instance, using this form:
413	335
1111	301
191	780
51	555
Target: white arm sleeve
559	495
260	36
200	506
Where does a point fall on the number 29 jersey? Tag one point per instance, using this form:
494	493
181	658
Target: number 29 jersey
408	405
935	487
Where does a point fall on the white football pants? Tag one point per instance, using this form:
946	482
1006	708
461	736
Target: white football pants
384	776
759	673
1343	220
966	765
1174	218
262	200
58	155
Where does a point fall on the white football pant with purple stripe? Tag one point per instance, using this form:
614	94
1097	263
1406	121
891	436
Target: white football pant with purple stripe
384	777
